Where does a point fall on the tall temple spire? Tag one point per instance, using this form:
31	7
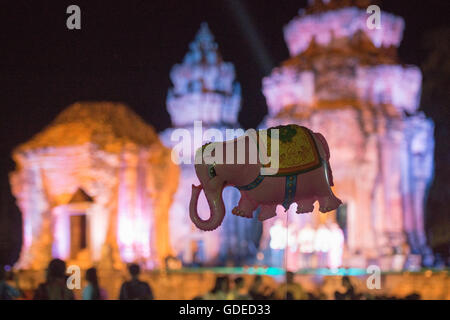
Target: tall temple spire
322	42
204	88
204	85
324	21
315	6
203	50
344	80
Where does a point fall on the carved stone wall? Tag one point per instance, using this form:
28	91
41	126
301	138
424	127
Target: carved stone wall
204	89
345	81
107	151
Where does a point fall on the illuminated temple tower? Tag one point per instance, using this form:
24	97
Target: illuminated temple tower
94	188
204	89
347	82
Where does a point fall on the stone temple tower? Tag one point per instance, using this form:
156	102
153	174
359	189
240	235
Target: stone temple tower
346	81
204	89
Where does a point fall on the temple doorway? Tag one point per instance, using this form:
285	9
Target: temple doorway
78	234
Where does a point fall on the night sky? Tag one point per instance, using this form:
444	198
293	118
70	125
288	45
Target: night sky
124	52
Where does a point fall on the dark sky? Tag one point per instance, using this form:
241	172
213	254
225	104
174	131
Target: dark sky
124	52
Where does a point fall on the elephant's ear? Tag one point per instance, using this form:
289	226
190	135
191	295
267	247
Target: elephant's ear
205	145
199	153
213	153
324	143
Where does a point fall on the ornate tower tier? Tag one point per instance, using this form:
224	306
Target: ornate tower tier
335	58
345	81
94	186
205	89
204	85
327	21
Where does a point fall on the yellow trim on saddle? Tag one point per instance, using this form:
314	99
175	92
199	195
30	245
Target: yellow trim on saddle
297	149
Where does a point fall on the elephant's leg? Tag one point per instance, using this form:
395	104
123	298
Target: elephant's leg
305	206
267	212
329	202
245	208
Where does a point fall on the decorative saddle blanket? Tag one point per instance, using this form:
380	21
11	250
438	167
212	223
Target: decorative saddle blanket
298	151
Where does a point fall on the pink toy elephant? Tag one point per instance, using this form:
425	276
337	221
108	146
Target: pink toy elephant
301	184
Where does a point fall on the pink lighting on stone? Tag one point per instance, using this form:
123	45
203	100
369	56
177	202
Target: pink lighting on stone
204	89
341	79
106	151
345	81
204	85
342	23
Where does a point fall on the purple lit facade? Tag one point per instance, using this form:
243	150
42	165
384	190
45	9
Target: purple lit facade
204	89
341	79
346	81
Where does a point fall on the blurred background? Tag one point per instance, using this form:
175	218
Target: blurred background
88	115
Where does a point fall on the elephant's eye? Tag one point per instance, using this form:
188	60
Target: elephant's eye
212	172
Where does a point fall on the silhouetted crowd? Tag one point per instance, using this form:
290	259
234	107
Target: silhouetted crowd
225	289
222	290
55	288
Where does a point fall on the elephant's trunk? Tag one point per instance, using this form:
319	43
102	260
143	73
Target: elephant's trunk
216	206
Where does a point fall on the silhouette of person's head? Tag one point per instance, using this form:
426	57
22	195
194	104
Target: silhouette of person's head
413	296
346	282
226	284
56	270
289	277
221	284
134	270
91	276
257	281
239	283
